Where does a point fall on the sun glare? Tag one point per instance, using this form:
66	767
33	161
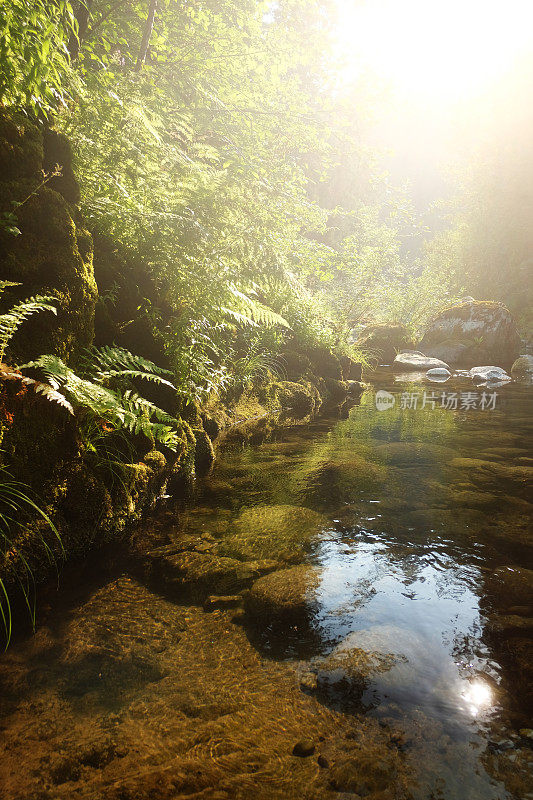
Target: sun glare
445	49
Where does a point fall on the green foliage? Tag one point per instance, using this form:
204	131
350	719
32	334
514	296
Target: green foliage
34	57
116	405
18	509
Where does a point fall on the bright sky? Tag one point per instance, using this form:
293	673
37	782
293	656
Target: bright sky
448	50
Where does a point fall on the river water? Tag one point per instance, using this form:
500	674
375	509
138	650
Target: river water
391	627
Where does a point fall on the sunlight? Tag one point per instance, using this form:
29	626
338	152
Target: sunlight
427	49
478	696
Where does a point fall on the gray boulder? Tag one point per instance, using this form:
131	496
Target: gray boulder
472	332
438	373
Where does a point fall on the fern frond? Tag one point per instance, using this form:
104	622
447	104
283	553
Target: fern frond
116	362
252	311
19	313
128	410
48	391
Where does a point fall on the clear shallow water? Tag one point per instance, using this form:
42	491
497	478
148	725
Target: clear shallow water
415	526
423	506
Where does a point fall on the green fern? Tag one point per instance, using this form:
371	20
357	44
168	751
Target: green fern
11	321
249	311
115	362
123	408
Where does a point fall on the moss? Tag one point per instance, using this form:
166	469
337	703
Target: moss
53	254
301	398
383	341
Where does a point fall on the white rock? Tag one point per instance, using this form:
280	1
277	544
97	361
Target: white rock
417	361
489	373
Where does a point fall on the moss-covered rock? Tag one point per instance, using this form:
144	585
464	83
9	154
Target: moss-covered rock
523	365
53	253
204	454
286	595
471	333
281	532
302	399
383	341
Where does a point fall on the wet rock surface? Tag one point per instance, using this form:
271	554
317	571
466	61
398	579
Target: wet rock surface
282	532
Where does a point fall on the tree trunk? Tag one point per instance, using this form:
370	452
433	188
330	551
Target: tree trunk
82	17
146	35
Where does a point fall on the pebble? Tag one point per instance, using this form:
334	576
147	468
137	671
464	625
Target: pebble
303	748
323	762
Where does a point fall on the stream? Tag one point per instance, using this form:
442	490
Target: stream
382	649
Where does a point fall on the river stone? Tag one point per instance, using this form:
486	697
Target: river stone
303	748
488	373
472	331
417	361
438	372
282	532
523	365
197	575
494	476
363	774
413	453
285	595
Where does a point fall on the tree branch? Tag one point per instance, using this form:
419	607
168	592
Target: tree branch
146	35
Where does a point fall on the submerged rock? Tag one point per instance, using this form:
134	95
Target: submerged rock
281	532
493	476
303	748
196	575
512	586
363	774
472	331
415	360
287	595
413	453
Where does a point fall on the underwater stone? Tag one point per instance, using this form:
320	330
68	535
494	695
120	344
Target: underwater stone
272	532
288	594
303	748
